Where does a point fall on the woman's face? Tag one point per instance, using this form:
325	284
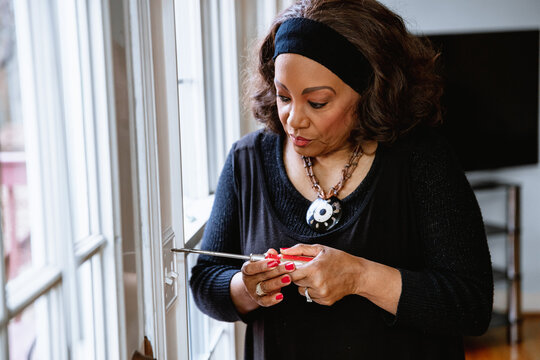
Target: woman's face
315	106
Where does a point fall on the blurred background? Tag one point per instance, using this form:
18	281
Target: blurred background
73	87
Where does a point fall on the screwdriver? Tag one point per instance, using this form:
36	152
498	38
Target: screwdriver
297	260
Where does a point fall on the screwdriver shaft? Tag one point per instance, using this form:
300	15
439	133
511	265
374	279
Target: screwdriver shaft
251	257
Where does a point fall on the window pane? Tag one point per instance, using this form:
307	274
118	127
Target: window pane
22	335
28	333
91	315
207	336
200	324
192	114
14	194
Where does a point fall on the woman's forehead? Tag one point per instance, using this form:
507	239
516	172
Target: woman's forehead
300	71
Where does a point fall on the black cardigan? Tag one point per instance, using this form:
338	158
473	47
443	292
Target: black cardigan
414	211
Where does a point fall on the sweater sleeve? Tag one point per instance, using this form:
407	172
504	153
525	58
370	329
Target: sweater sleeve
454	291
211	276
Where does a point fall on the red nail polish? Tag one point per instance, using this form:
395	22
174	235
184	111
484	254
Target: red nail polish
272	264
272	256
289	266
281	249
286	279
279	296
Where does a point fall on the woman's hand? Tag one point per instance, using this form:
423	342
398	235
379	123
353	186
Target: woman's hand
270	274
330	276
333	274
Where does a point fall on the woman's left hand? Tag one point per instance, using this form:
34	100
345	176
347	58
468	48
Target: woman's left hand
330	276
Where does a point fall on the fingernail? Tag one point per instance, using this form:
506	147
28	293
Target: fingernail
286	279
281	249
272	264
289	266
279	296
272	256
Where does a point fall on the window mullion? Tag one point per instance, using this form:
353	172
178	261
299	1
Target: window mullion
71	91
88	247
87	133
27	288
104	169
147	170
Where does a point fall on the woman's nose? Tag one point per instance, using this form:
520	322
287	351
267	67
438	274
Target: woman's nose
297	118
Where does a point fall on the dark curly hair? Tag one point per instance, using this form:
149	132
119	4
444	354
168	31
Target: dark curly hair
404	90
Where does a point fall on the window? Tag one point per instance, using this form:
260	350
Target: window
208	96
57	179
211	37
59	252
209	103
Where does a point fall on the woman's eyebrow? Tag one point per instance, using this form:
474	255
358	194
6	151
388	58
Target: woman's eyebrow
315	88
307	90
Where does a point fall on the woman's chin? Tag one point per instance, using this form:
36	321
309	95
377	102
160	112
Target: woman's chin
305	150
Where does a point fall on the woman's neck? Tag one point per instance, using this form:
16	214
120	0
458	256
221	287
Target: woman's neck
327	168
330	160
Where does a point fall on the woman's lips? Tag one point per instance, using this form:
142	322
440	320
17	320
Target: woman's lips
299	141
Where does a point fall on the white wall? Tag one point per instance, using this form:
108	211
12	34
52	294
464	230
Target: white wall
443	16
438	16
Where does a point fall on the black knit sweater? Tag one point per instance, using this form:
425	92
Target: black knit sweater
414	211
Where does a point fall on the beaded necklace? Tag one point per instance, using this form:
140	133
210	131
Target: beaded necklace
325	212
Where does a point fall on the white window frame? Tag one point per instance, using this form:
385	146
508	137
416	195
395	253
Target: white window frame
152	61
147	203
218	30
214	80
51	36
208	63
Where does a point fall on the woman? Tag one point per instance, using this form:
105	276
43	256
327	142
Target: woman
348	170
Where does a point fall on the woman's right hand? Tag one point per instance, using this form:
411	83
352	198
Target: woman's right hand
271	275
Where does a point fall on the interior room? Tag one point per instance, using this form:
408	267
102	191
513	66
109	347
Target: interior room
117	118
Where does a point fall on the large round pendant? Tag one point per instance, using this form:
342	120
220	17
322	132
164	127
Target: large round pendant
323	215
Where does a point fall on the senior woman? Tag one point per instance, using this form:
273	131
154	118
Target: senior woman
349	170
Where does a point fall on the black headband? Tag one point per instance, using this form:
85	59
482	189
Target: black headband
326	46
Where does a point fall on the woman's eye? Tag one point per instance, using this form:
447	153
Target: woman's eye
316	105
283	98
